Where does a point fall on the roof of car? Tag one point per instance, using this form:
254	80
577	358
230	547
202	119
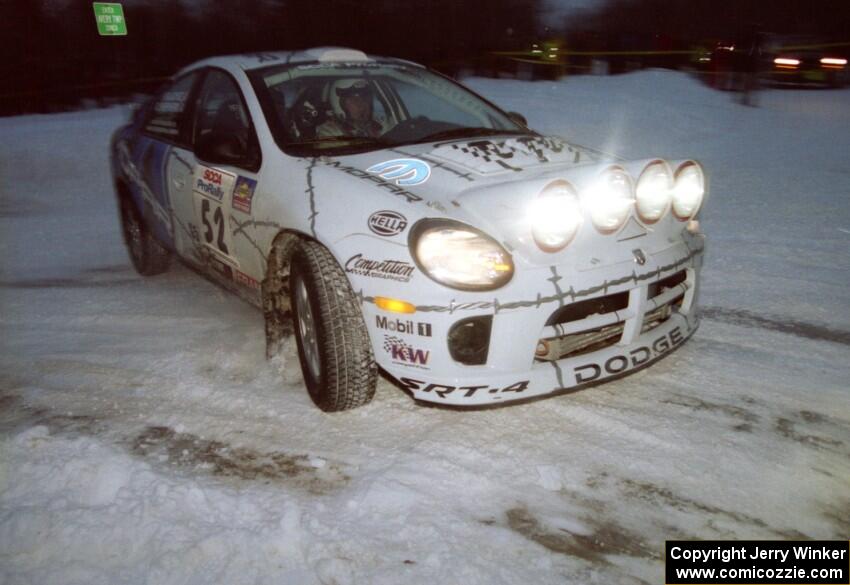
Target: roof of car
248	61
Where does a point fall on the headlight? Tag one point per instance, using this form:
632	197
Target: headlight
555	216
459	256
654	192
609	199
688	190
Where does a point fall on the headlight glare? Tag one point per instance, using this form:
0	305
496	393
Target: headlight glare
688	190
654	191
609	200
459	256
555	216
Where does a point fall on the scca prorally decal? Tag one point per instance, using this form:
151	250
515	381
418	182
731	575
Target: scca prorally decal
443	390
387	223
406	171
405	354
399	326
212	182
634	358
243	193
361	174
390	269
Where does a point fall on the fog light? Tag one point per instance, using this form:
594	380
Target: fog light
469	340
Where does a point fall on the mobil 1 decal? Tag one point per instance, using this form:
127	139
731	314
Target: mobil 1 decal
211	189
387	223
403	326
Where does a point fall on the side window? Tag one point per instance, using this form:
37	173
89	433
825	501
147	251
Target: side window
167	119
221	112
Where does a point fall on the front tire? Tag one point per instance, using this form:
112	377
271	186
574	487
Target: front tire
149	257
333	342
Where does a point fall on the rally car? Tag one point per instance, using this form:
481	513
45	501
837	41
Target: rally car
439	238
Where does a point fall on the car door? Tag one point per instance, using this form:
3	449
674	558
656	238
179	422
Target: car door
216	201
164	130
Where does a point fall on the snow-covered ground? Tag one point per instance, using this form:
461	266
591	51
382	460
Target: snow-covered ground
144	438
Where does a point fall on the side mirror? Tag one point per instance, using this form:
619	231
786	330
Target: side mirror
224	149
518	118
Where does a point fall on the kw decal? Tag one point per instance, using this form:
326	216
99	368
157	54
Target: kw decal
405	354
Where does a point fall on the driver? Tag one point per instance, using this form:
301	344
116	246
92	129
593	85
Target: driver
354	115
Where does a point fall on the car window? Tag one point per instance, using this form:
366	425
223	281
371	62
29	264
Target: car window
422	102
221	110
167	117
408	104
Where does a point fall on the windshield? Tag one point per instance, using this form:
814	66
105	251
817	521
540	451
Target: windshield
323	108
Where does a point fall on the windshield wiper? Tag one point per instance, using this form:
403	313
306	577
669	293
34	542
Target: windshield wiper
467	132
347	139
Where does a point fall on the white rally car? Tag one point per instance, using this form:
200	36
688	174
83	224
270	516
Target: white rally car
435	236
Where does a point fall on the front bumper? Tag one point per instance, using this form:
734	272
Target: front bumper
414	348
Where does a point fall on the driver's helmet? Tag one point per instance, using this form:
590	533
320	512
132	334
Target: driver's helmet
341	88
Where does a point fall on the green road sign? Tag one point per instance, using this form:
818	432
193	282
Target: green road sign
110	19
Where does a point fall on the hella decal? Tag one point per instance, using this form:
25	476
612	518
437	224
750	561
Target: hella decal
405	171
387	223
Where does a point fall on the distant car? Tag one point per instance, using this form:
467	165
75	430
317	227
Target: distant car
801	61
472	259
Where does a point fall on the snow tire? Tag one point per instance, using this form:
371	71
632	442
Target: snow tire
333	342
149	257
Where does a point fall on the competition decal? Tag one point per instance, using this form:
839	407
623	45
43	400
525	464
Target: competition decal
243	193
387	223
398	326
443	390
404	354
380	182
405	171
389	269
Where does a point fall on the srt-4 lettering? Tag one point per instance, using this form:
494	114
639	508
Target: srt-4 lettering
399	326
635	358
443	390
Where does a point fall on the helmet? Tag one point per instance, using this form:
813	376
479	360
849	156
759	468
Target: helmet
352	87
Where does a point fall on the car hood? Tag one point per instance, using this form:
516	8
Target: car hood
487	183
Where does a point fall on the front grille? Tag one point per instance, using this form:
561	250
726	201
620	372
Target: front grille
582	309
605	319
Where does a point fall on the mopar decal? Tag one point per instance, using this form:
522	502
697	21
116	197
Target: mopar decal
405	171
390	269
243	193
361	174
405	354
633	359
399	326
442	390
387	223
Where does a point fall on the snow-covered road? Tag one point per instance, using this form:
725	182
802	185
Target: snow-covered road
145	439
